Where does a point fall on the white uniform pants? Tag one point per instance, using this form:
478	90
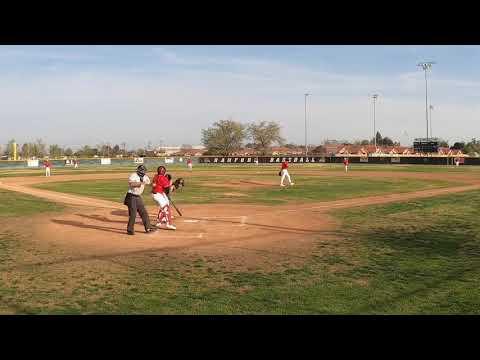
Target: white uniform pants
47	171
285	174
161	199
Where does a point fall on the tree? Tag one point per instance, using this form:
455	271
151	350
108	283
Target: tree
116	150
443	143
9	148
386	141
379	138
55	151
458	146
39	148
224	137
264	135
68	152
26	151
472	147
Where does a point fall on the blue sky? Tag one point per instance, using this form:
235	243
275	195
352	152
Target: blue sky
74	95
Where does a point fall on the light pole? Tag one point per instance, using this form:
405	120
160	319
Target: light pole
374	97
306	149
431	108
425	66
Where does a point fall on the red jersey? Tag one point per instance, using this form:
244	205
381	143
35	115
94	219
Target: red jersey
189	161
345	162
47	164
159	183
284	165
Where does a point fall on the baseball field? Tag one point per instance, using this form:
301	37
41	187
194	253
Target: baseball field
376	240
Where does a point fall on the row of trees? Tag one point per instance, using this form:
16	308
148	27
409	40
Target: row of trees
472	147
227	136
39	149
381	141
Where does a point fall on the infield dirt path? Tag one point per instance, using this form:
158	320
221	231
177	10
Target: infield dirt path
244	235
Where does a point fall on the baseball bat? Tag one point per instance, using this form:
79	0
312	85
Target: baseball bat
171	202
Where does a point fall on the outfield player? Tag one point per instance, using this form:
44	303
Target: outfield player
161	184
189	164
345	163
47	164
134	201
284	173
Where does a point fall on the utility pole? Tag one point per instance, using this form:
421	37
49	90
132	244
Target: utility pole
374	97
306	148
431	108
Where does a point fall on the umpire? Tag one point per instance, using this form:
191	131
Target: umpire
134	201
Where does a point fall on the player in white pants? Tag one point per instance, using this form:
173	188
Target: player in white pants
47	164
159	184
285	174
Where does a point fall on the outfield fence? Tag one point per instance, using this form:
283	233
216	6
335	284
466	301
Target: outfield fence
423	160
245	160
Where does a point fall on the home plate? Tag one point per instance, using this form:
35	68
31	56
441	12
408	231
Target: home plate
191	221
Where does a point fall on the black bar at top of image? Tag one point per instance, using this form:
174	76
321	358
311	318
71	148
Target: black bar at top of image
245	26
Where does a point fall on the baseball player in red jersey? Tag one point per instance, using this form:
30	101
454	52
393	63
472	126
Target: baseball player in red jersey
345	163
47	164
189	164
159	184
284	173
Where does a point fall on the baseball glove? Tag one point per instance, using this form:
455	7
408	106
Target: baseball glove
179	183
279	173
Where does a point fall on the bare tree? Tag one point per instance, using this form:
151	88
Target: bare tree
264	135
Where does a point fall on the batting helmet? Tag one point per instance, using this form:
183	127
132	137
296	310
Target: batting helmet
161	170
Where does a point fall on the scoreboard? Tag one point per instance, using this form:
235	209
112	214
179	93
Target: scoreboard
429	145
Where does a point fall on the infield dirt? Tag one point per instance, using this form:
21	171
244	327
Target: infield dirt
239	236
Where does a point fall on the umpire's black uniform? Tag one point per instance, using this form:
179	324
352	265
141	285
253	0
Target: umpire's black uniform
134	200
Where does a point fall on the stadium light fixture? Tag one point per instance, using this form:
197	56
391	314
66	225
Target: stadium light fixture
427	65
306	148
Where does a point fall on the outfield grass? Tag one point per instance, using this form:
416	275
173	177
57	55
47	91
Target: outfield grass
307	189
388	263
416	257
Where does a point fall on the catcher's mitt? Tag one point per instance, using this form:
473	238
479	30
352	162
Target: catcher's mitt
179	183
279	173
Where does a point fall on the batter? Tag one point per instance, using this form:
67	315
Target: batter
161	184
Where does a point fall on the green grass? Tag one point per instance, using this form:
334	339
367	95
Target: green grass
307	189
389	263
17	204
416	257
241	169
